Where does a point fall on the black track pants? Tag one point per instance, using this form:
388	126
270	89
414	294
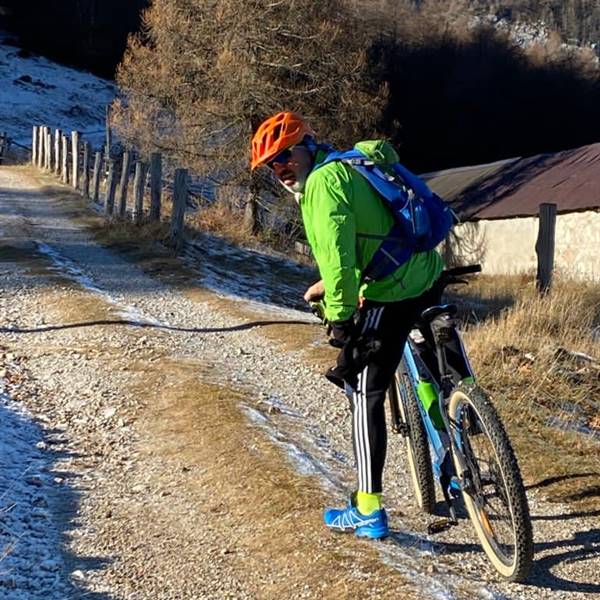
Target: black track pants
389	324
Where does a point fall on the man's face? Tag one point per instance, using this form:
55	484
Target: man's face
292	167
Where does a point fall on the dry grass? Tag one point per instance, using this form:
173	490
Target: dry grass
521	346
225	218
122	232
221	219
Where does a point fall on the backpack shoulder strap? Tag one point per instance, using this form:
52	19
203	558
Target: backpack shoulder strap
350	157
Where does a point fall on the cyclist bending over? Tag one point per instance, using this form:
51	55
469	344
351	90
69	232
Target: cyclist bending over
345	222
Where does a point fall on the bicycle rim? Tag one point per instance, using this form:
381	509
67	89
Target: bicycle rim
417	445
496	504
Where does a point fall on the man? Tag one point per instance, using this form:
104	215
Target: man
345	221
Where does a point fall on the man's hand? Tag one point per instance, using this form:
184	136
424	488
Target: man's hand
315	292
340	332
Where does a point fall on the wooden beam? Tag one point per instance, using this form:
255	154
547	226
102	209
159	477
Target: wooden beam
155	185
139	184
544	246
57	156
124	184
85	171
65	159
96	177
180	194
75	158
34	136
111	186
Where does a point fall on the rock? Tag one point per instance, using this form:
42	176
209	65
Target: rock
110	412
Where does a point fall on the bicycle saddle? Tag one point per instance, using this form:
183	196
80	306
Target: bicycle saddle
431	313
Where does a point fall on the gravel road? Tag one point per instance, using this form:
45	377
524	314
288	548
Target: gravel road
178	439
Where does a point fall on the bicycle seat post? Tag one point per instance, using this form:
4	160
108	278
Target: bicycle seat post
442	327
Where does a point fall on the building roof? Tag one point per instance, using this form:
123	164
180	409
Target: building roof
516	187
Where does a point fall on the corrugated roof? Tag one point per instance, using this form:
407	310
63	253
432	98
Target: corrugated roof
516	187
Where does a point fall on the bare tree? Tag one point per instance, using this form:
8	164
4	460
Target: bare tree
205	73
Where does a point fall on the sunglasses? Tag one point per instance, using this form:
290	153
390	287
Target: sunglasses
282	158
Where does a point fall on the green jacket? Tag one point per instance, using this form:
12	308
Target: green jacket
340	211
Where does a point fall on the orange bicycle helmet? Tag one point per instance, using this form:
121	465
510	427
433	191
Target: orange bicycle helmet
277	133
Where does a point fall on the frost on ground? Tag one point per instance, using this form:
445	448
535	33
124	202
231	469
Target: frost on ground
31	564
37	91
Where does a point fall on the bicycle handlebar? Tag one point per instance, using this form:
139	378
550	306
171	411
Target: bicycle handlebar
458	271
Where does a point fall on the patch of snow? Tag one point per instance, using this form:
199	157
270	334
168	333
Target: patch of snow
37	91
304	463
31	563
275	283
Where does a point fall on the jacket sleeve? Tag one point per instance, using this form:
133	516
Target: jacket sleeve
331	230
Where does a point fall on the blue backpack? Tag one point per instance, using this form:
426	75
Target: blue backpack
422	218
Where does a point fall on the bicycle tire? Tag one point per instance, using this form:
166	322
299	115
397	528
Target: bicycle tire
417	443
515	567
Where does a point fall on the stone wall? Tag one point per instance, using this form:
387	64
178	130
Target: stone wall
507	246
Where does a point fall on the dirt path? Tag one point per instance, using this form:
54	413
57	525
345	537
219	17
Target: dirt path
188	454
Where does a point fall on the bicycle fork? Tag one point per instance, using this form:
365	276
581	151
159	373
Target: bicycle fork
452	480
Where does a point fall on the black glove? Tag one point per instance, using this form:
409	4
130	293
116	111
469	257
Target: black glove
340	332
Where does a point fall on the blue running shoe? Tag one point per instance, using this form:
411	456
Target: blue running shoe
348	519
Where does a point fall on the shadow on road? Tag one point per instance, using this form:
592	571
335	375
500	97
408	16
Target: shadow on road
39	504
102	322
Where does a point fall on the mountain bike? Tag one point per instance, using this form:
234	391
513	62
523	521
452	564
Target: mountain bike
462	444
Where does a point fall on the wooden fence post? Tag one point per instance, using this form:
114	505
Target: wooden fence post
57	162
48	165
111	186
44	141
139	184
180	192
34	145
124	184
107	138
85	171
155	185
3	145
44	145
75	158
65	159
40	147
544	247
38	150
96	177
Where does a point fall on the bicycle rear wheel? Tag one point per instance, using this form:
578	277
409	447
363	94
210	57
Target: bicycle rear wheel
495	499
417	443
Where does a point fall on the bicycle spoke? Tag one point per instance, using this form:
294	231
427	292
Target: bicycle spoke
495	515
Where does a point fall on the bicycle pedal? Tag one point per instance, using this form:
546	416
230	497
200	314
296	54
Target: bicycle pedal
440	525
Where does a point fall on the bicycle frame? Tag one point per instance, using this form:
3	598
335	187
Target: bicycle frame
442	443
435	439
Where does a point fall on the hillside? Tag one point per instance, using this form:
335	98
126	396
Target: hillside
578	21
35	90
85	33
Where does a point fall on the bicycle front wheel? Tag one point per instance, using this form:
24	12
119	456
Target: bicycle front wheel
494	495
417	442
